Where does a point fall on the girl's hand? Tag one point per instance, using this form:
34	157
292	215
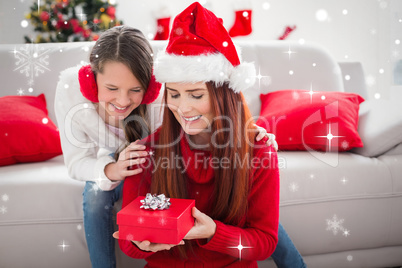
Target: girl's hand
204	226
148	246
263	133
132	155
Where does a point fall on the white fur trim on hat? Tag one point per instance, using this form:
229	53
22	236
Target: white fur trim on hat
243	76
203	68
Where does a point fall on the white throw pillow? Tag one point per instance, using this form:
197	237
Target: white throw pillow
380	126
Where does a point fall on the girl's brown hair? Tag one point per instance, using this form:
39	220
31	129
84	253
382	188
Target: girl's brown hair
129	46
229	199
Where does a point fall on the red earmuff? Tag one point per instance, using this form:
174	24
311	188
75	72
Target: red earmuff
88	86
153	90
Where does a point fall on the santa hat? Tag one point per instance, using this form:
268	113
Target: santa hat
201	50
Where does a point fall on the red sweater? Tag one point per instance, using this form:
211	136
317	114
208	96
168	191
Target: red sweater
258	235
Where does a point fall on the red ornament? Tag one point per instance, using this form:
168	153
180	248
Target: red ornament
86	33
62	24
62	3
75	23
44	16
78	29
111	11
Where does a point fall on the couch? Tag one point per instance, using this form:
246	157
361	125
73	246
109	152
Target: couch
341	209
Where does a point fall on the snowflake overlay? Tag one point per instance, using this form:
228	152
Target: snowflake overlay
4	198
293	187
162	221
20	92
344	180
140	220
335	225
240	247
95	188
3	210
31	60
63	246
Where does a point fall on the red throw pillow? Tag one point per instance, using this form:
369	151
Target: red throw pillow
304	120
26	132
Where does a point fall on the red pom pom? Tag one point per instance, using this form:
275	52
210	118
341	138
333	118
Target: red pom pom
152	91
88	86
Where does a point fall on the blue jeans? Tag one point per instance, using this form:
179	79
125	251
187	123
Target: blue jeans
286	255
98	224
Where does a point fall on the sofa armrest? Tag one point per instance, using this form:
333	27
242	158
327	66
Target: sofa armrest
353	78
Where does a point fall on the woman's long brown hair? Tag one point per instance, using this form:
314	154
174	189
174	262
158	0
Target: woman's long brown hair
229	200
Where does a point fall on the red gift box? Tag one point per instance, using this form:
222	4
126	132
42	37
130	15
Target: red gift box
168	226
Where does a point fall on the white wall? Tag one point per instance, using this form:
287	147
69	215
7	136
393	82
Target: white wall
354	30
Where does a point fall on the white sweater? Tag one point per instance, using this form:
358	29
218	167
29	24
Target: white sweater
86	141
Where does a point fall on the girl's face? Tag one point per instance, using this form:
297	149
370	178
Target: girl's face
190	105
119	91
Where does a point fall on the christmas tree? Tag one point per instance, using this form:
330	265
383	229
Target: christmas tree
71	20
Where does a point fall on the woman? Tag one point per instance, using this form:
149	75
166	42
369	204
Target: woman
98	108
245	203
207	126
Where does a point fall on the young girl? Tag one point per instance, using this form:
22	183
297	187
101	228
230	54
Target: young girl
208	128
98	108
93	105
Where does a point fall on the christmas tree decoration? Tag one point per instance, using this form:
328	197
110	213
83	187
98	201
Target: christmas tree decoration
286	32
242	24
70	20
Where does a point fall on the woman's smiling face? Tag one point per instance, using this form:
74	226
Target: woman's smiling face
119	91
191	106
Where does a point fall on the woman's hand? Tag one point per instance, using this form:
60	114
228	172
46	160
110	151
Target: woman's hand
204	226
263	133
154	247
132	155
148	246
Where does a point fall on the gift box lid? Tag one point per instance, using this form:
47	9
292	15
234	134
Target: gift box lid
178	213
